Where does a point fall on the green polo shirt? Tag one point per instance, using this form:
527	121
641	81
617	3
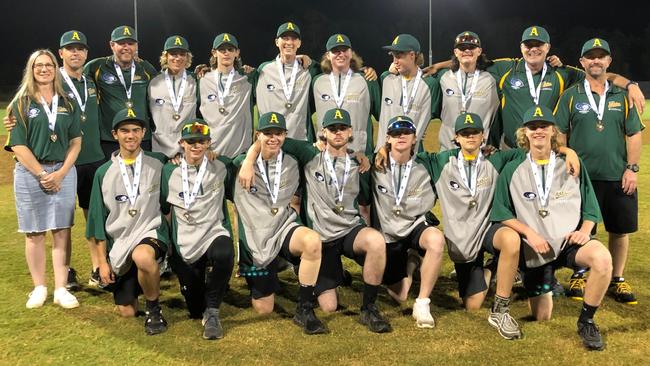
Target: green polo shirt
603	152
91	151
112	95
512	84
32	129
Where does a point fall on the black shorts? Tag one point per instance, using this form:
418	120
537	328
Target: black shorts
126	287
85	176
471	279
397	254
108	147
267	283
619	210
540	280
330	274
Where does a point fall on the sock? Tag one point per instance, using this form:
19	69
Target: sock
587	312
306	295
369	295
425	301
501	304
151	304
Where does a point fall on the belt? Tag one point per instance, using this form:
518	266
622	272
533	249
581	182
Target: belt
48	162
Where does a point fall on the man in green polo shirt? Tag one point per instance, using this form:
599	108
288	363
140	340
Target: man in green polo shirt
122	80
596	120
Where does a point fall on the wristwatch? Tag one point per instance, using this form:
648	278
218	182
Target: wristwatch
627	86
42	174
633	167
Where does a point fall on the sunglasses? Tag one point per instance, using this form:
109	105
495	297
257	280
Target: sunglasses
337	128
465	47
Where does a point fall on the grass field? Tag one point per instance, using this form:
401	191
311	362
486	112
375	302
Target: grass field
95	334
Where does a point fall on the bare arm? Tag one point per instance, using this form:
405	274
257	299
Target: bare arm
105	271
629	179
53	180
634	93
535	241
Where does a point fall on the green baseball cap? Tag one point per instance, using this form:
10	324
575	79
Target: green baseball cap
73	37
129	114
336	116
401	123
403	43
595	44
468	38
177	43
468	120
195	129
535	33
287	27
123	32
271	120
338	40
224	38
538	113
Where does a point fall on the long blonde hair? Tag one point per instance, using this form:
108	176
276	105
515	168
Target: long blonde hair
164	61
28	88
356	63
522	140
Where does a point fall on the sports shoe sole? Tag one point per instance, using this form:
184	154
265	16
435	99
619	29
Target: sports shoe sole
425	325
510	338
66	306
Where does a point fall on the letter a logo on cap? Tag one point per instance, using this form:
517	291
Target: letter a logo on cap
274	119
597	43
226	38
338	115
533	32
395	40
538	112
126	32
468	119
130	113
339	39
75	36
290	26
178	42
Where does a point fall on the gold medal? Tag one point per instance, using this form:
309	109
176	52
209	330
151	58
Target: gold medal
129	104
223	111
53	137
176	116
83	117
274	211
600	126
397	211
288	105
472	203
543	213
188	217
339	209
133	212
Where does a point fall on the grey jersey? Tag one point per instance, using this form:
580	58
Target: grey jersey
270	97
231	133
418	199
195	228
484	102
260	230
168	130
109	218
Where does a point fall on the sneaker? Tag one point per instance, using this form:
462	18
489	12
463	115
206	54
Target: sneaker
72	284
622	292
371	318
422	314
505	324
211	324
576	289
154	323
165	269
590	335
37	297
307	320
95	280
65	299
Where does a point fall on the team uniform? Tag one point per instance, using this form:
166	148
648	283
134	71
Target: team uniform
123	224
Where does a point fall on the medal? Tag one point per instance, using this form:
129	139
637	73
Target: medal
120	76
222	110
176	99
287	88
176	116
472	203
188	217
543	190
399	188
190	196
222	94
465	98
339	209
600	108
51	115
339	94
83	117
53	137
397	211
131	188
75	92
133	212
129	104
274	211
535	92
288	105
470	182
332	173
276	181
407	100
543	213
600	126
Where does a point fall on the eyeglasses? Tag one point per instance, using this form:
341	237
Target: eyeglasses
465	47
337	128
44	66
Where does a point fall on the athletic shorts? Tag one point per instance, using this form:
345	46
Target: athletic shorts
397	254
85	176
470	276
620	211
330	275
268	283
126	288
540	280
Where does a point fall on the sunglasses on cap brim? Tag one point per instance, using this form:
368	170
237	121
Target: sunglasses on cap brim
467	40
401	125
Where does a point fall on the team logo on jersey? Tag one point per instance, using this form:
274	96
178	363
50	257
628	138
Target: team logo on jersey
388	101
61	109
547	85
91	92
583	107
160	101
270	87
530	196
319	177
562	195
453	185
253	189
33	112
449	92
516	83
382	189
212	97
325	97
180	195
109	78
614	106
121	198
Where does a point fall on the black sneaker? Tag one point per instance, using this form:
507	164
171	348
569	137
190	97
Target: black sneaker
72	284
371	318
211	324
590	335
154	323
576	289
94	280
622	292
307	320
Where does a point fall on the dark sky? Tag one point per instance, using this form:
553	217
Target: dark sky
28	25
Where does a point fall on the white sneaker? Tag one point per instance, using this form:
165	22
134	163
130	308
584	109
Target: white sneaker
65	299
37	297
422	314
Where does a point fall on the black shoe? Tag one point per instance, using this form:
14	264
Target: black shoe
590	335
576	289
72	284
622	292
371	318
94	280
307	320
154	323
211	324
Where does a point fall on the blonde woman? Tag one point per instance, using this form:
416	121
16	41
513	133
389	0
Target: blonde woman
46	142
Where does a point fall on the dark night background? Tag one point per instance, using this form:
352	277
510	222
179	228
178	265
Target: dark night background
28	25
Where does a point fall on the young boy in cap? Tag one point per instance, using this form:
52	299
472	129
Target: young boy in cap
125	221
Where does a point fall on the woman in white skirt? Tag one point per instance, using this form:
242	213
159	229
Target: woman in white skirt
46	142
